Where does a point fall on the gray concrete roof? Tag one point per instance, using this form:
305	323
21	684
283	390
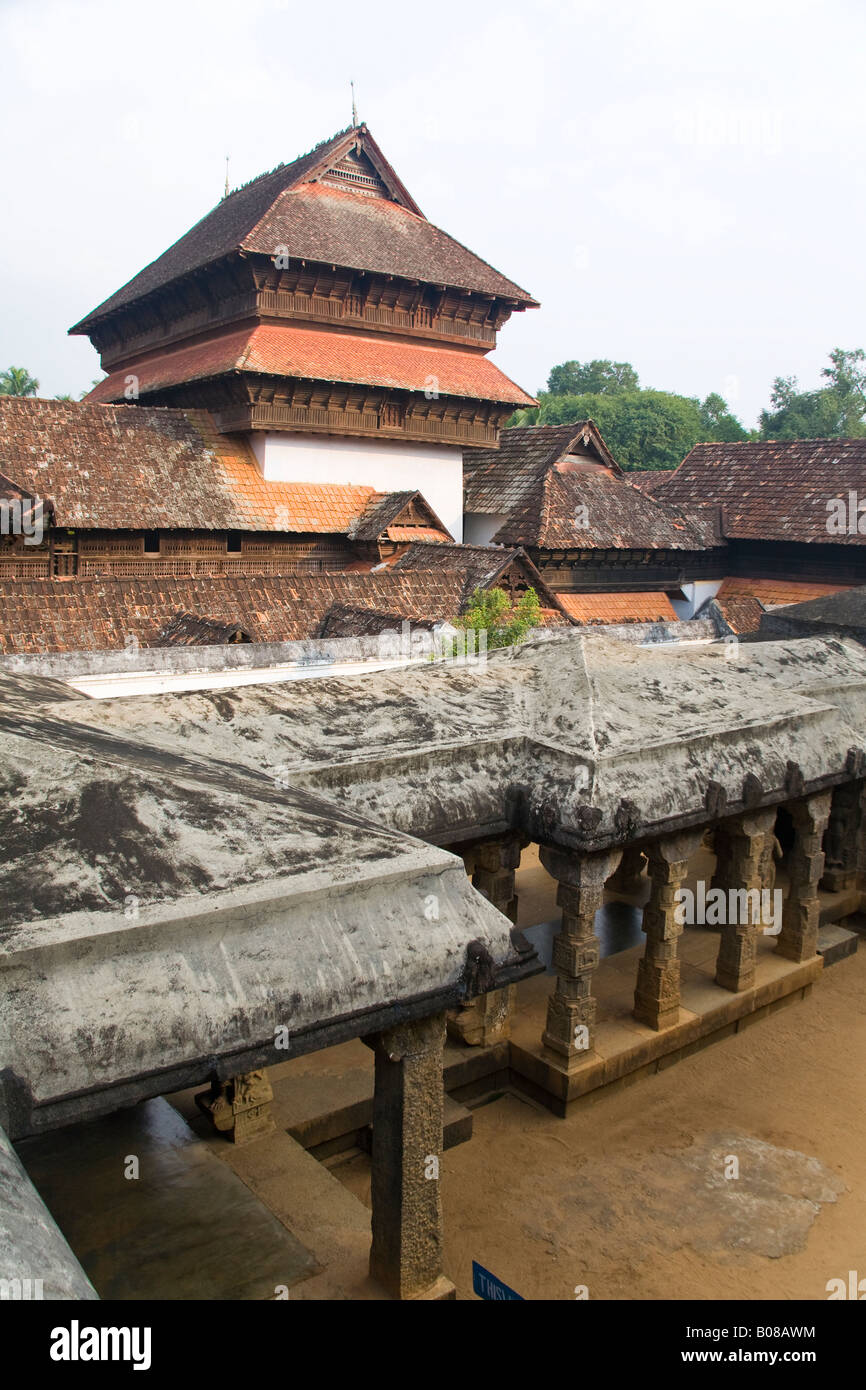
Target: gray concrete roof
552	738
184	873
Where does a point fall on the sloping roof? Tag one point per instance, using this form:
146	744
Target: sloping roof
773	592
479	565
382	515
348	620
842	613
618	608
134	467
496	480
775	490
320	223
189	630
741	613
648	479
593	511
100	614
286	349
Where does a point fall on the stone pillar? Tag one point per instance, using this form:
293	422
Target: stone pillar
487	1020
741	850
571	1007
798	939
628	878
841	840
240	1107
406	1253
657	996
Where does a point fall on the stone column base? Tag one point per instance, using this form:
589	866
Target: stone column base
240	1108
484	1021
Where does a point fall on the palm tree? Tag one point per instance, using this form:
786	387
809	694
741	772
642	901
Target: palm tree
17	381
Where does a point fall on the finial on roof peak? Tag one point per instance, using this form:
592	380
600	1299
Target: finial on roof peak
354	108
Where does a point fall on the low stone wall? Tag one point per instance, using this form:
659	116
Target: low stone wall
411	642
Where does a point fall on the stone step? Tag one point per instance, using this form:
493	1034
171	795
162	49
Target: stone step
330	1117
456	1127
835	943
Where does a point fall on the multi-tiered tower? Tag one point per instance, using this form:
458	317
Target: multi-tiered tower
318	310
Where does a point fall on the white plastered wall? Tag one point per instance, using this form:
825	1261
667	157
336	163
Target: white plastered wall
389	465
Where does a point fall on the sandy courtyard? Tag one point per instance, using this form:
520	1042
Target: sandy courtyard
629	1196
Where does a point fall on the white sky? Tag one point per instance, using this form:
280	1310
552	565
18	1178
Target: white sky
680	183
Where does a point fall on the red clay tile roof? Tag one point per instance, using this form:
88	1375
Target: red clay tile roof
431	534
775	490
775	592
383	513
285	349
137	467
319	223
648	479
618	608
741	612
593	511
99	614
495	481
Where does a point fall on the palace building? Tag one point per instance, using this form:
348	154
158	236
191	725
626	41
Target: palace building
318	313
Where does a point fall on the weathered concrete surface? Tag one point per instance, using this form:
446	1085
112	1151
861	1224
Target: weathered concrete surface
35	1260
184	874
580	741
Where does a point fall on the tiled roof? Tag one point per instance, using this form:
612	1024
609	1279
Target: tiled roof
419	533
648	479
593	511
618	608
384	511
776	490
188	630
136	467
100	614
285	349
347	620
480	566
318	223
773	592
496	481
741	612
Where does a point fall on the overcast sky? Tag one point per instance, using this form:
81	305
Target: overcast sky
679	183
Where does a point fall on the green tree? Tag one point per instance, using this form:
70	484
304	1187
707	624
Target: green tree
643	429
835	411
506	624
600	376
17	381
718	423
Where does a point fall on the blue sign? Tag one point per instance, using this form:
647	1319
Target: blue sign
487	1286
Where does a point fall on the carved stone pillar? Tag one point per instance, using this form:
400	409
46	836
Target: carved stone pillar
841	840
406	1252
628	878
798	939
657	996
487	1020
571	1007
741	850
240	1107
